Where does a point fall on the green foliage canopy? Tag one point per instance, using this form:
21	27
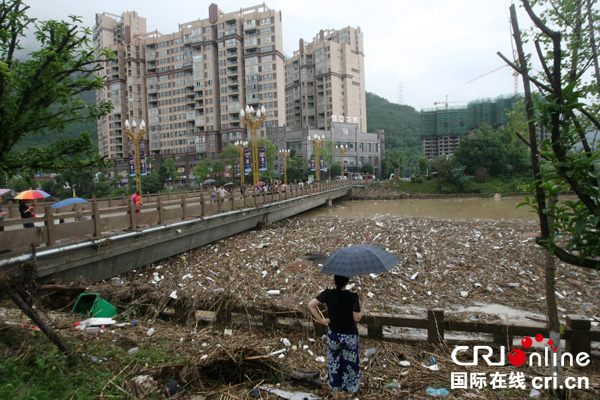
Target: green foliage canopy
42	92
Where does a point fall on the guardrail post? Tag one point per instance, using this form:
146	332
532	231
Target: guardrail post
49	223
502	337
269	320
579	338
223	314
183	206
435	325
109	201
161	217
375	330
97	223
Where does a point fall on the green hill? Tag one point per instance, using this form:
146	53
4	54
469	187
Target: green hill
71	131
401	123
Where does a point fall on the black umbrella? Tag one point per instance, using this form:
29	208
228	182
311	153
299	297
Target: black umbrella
362	259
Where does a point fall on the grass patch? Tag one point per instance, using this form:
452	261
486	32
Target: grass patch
32	368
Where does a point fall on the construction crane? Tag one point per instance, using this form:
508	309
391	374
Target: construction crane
515	74
446	102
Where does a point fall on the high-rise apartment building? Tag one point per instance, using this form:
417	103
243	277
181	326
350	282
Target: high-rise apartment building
190	85
325	81
124	80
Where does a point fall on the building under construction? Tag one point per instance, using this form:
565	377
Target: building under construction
442	129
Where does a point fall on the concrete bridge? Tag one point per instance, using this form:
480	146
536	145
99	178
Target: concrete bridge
108	237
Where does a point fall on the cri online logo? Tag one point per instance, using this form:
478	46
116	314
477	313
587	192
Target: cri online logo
517	357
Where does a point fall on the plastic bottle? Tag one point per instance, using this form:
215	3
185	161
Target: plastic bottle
133	351
436	392
150	332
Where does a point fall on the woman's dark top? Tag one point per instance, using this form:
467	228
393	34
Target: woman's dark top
23	210
341	305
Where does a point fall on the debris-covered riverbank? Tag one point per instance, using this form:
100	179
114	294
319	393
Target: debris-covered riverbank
479	269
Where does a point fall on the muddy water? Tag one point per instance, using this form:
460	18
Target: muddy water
455	208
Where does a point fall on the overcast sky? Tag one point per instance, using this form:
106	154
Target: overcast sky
416	52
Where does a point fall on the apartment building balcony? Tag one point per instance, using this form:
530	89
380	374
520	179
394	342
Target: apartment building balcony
233	81
232	71
252	98
251	43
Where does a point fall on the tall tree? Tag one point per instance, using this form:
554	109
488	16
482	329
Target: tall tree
42	90
564	41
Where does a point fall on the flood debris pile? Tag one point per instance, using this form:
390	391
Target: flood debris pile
464	267
458	266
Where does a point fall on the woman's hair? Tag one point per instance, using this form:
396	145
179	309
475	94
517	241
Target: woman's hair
340	281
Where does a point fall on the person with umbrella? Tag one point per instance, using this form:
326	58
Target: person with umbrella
345	309
26	212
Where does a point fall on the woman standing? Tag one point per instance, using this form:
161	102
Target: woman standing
345	310
26	212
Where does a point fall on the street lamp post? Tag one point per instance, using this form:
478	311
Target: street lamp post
317	141
253	123
342	149
239	146
136	136
285	153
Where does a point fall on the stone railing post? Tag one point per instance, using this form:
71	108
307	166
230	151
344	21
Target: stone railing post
131	215
96	218
49	224
159	207
184	207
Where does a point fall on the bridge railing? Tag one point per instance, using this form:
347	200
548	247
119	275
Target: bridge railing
106	216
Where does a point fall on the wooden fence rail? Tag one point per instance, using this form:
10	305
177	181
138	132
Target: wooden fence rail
578	333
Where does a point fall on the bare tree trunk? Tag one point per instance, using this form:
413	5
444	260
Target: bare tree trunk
26	308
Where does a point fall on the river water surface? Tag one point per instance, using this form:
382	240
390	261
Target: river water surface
453	208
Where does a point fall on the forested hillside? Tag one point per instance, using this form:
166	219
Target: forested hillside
401	123
71	131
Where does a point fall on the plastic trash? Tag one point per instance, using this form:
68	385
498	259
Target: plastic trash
432	360
132	351
150	332
393	386
273	292
370	352
535	394
437	392
172	388
404	363
286	342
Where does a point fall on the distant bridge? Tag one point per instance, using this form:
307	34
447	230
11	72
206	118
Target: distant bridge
108	237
